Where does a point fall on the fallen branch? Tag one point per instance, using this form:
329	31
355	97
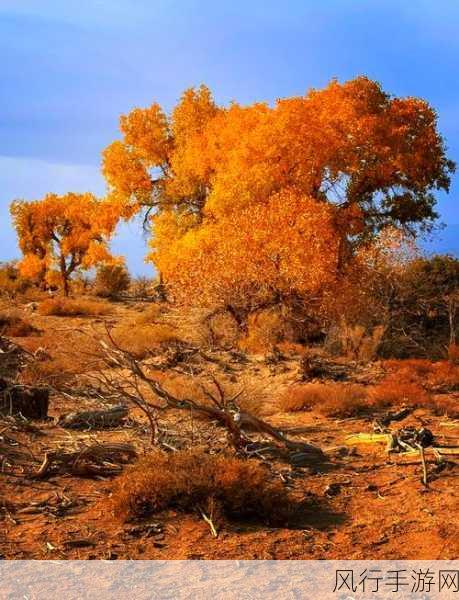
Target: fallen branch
94	419
101	460
136	381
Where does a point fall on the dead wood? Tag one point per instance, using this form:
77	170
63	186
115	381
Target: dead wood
225	411
102	460
94	419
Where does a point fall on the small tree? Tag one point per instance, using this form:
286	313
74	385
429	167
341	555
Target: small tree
63	233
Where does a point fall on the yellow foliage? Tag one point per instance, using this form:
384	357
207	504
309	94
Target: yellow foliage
63	233
272	200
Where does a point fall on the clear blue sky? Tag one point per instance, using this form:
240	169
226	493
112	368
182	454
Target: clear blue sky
70	68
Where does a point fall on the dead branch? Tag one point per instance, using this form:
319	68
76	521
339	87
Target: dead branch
136	381
94	419
101	460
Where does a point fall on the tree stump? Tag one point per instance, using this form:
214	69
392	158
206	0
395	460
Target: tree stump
30	402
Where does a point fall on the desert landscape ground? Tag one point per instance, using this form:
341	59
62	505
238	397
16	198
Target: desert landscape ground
355	501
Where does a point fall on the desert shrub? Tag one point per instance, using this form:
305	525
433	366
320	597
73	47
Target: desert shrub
265	329
444	375
152	315
395	391
12	283
330	399
111	280
141	287
186	480
223	329
140	339
69	307
356	341
445	406
14	325
441	374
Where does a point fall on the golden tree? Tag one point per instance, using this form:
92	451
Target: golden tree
275	198
62	234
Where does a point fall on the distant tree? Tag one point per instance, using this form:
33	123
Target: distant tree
275	201
64	234
111	280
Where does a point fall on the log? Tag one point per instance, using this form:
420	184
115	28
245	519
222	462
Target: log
94	419
28	401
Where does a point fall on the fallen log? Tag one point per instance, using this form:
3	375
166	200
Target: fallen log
94	419
101	460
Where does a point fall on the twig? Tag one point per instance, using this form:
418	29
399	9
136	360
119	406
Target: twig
424	465
209	522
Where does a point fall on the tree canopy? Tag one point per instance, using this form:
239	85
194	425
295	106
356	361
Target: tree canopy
61	234
275	196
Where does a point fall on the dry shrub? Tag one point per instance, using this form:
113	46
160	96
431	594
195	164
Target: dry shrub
445	375
141	287
442	374
13	324
265	329
150	315
12	284
410	368
72	307
111	280
223	330
445	406
355	341
329	399
141	339
186	480
394	391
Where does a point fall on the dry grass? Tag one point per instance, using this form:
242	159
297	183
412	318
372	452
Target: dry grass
442	374
13	324
192	480
265	329
72	307
62	357
329	399
393	392
140	339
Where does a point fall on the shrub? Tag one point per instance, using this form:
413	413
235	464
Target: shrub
445	376
141	287
68	307
223	329
444	405
111	280
442	374
186	480
330	399
11	282
265	329
14	325
394	391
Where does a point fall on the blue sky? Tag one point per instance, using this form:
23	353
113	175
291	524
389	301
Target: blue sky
69	69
